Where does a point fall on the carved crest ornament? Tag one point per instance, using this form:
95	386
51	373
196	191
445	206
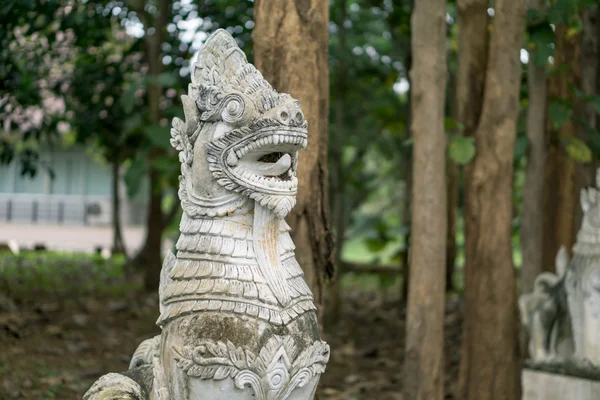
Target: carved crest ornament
237	318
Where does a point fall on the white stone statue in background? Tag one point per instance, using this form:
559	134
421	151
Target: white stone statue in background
583	280
238	320
562	314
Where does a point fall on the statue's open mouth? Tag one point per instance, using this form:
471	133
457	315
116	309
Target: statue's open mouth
269	159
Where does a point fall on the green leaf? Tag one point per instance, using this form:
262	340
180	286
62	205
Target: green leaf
559	113
165	164
521	146
577	149
541	38
593	136
560	11
449	124
158	136
387	280
129	98
375	245
134	175
165	79
534	15
595	102
461	149
132	123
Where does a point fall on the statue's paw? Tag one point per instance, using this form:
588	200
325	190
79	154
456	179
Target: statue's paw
115	386
144	353
553	359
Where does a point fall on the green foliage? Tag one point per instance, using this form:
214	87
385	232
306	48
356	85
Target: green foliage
134	175
577	149
461	149
59	274
158	136
541	41
521	147
559	112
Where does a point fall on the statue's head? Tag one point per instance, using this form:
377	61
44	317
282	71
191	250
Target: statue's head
240	139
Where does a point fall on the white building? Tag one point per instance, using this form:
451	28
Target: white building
79	193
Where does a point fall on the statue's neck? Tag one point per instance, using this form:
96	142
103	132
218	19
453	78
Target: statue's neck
250	235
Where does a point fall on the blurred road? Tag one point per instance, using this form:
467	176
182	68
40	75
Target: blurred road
74	238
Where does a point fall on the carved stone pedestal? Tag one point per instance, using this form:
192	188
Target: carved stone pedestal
539	385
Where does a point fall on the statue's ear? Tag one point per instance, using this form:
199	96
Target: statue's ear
562	260
523	309
585	204
191	114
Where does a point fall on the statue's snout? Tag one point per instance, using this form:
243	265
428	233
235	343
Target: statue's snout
288	114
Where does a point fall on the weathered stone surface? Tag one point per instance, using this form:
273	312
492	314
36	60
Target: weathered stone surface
539	385
237	318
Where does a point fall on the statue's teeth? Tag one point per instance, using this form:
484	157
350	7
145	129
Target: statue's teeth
276	139
232	160
238	153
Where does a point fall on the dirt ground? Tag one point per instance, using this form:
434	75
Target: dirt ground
55	349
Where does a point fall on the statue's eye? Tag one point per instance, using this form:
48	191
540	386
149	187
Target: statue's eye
233	111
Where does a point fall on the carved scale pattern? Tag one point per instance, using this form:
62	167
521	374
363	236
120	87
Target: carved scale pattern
216	269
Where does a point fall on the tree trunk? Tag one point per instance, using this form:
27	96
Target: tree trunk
490	354
118	246
150	255
562	213
291	50
532	225
470	76
406	221
424	362
453	175
590	81
452	198
406	211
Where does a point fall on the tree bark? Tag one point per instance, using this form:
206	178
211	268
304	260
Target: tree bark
118	246
424	362
406	221
452	198
291	50
590	81
489	368
406	209
472	59
562	213
453	175
532	225
150	255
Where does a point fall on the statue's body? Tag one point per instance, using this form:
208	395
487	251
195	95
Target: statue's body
563	313
237	318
